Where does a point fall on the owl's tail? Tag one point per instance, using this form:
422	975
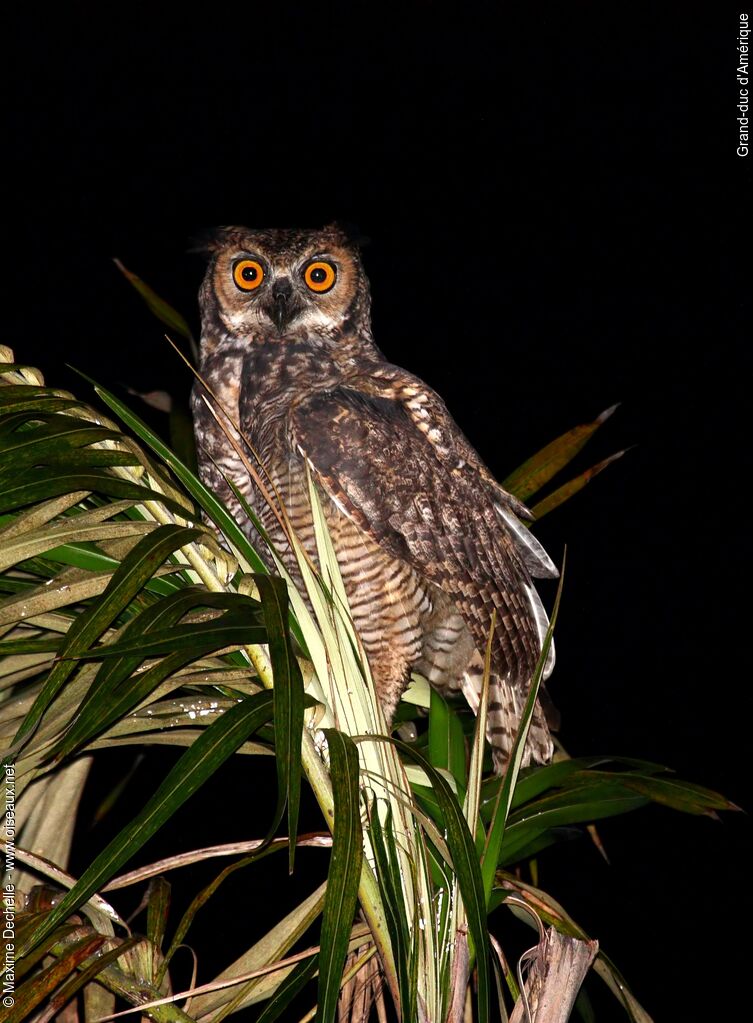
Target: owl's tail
506	702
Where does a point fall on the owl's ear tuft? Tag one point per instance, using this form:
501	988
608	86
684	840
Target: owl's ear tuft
350	233
213	239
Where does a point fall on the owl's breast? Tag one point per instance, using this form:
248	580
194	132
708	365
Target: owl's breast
276	377
221	371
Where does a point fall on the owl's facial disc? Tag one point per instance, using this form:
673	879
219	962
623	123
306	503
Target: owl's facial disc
290	296
296	286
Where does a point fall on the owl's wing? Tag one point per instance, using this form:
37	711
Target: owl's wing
412	493
430	417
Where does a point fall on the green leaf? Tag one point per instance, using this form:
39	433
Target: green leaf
344	871
288	697
25	437
46	541
83	976
593	795
525	830
388	877
590	795
40	985
211	749
533	781
29	962
130	577
295	981
39	485
239	621
617	984
496	833
541	467
29	646
158	910
49	403
584	1008
10	393
161	309
446	740
576	803
466	867
472	800
88	558
32	397
514	851
569	489
116	690
680	795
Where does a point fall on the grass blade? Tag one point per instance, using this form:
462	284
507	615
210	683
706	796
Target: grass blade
496	832
286	992
569	489
546	463
156	305
466	867
446	739
382	840
288	704
344	871
44	484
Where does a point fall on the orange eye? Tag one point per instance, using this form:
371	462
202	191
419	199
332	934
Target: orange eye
248	274
320	276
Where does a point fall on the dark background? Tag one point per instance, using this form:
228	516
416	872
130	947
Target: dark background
557	222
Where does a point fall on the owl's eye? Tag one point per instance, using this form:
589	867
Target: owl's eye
320	276
248	274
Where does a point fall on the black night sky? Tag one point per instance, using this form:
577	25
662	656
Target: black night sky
557	221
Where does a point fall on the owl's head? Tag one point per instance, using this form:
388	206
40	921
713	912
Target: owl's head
284	285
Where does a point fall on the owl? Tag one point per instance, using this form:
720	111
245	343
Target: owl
429	545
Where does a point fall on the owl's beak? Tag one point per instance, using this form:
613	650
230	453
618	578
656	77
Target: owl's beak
282	308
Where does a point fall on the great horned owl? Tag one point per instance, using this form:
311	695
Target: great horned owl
428	543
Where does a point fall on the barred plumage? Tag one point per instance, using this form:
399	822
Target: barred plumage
430	546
